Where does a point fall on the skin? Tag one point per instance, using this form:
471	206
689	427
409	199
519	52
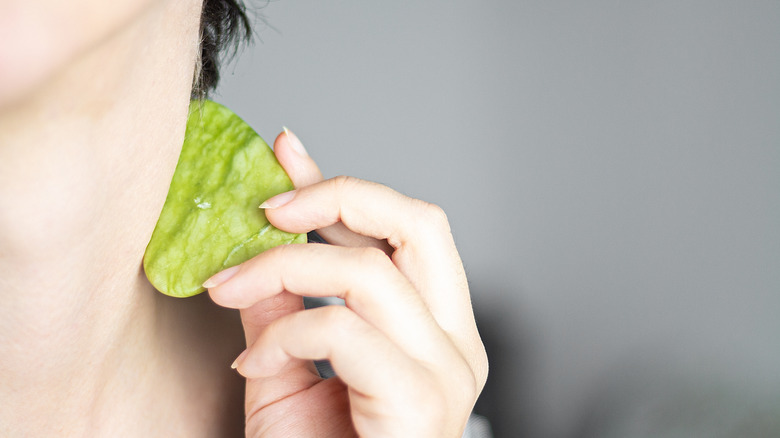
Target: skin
405	347
89	348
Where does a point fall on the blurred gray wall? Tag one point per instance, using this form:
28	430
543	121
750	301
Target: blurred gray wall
611	170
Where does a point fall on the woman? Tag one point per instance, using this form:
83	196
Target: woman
93	104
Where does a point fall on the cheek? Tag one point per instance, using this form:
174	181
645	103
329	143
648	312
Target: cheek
39	38
28	52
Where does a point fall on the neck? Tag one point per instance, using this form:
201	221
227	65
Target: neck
84	338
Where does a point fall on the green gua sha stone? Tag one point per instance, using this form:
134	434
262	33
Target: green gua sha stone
211	220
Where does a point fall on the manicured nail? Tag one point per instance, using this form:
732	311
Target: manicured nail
295	143
221	277
279	200
239	359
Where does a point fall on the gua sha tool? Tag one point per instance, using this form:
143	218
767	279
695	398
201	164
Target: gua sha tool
211	220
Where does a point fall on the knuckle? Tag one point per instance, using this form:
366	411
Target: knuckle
436	215
344	182
482	370
466	386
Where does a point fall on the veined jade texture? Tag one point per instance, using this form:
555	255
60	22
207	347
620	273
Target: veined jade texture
211	220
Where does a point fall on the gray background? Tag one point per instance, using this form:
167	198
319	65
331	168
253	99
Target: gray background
611	170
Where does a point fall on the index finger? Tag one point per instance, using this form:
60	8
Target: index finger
303	171
419	233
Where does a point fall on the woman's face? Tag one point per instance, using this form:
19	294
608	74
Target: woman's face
40	38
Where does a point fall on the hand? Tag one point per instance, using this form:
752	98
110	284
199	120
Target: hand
409	359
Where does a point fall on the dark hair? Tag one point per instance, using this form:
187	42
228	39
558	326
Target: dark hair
224	25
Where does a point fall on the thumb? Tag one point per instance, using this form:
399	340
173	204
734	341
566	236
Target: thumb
289	150
303	171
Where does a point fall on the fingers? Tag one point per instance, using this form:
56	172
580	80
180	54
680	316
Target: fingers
346	209
257	316
309	335
364	277
422	245
373	368
418	231
412	308
303	171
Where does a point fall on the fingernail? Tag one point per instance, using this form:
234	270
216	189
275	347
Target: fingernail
295	143
221	277
279	200
239	359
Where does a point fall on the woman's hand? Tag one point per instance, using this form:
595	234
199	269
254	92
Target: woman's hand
409	359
